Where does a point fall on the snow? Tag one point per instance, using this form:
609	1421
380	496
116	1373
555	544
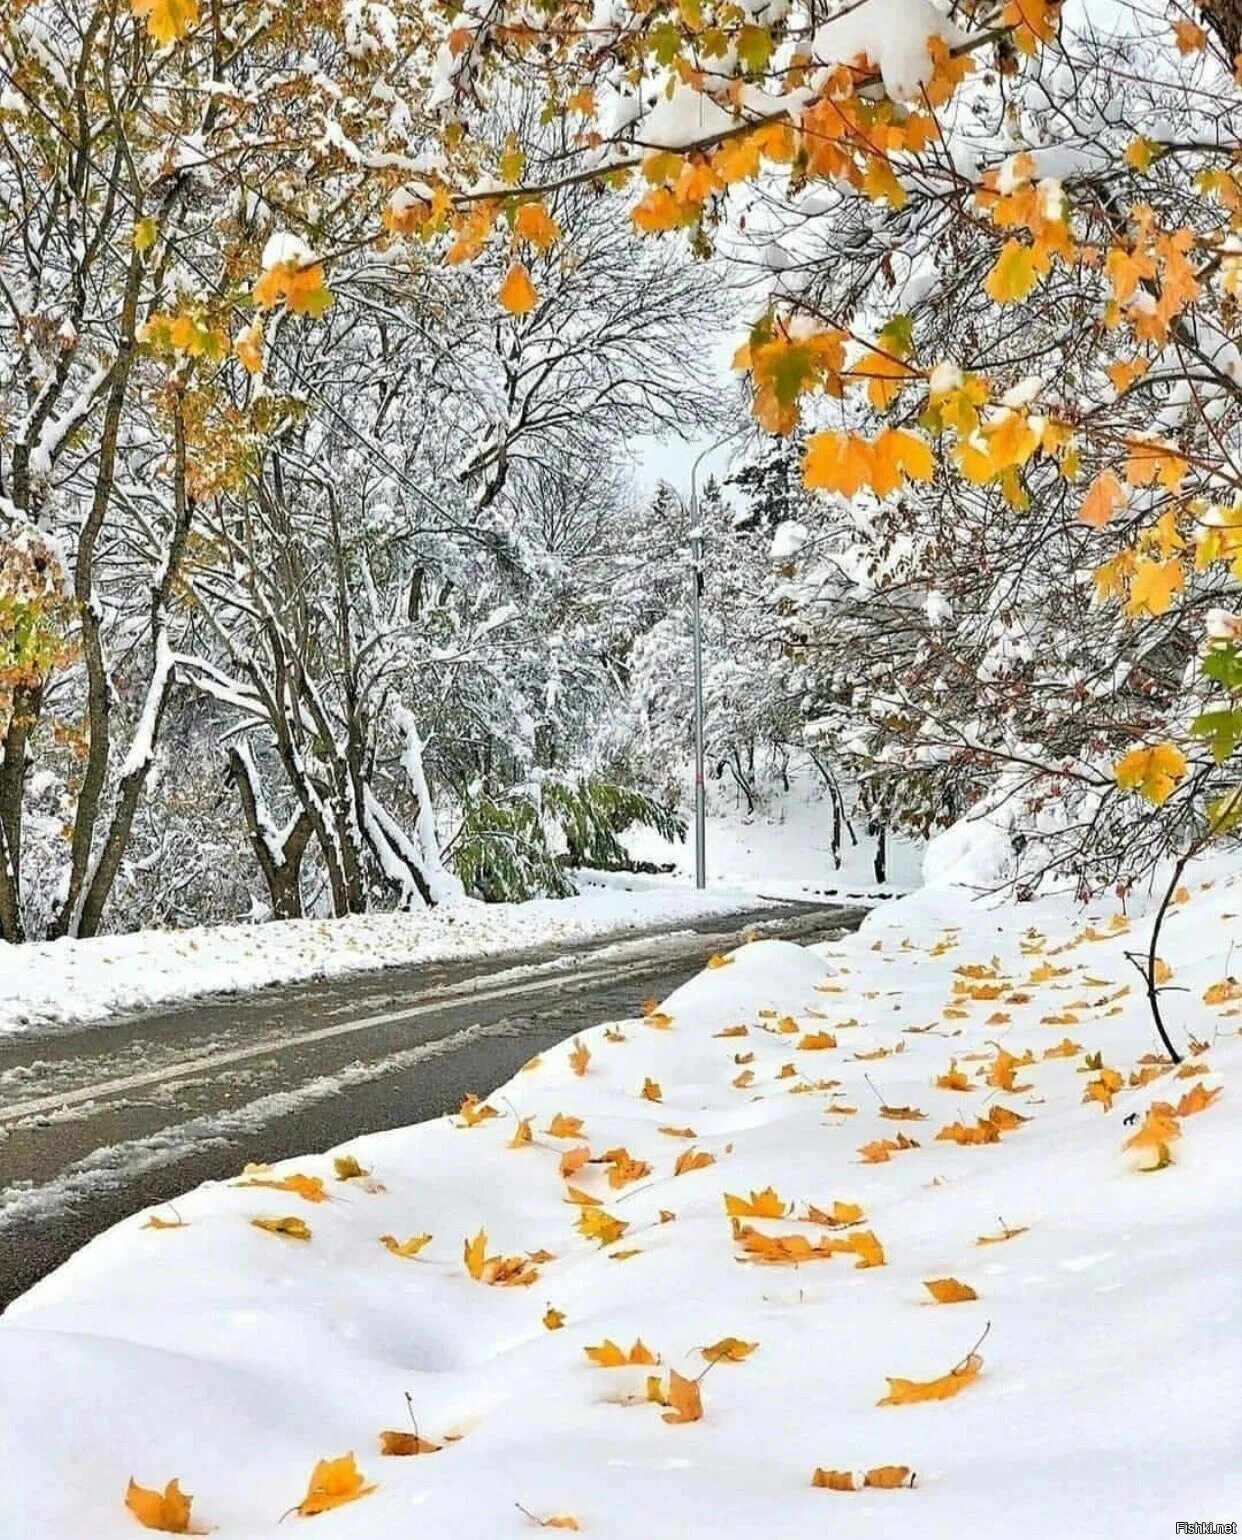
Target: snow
894	34
142	748
284	249
789	538
62	983
784	848
682	117
1109	1397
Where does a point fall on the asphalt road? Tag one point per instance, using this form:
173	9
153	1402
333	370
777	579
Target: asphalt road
100	1122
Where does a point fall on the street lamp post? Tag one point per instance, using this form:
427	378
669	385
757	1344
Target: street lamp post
700	786
696	614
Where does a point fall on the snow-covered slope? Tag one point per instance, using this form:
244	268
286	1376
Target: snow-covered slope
1104	1400
784	847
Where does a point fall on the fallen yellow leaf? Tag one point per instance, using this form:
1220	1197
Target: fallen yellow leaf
295	1228
332	1483
167	1511
948	1291
407	1248
907	1392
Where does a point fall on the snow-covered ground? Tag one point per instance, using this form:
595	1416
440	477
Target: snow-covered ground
59	983
944	1099
781	851
783	848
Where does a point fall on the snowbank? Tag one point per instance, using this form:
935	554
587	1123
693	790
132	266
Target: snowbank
1107	1396
61	983
783	848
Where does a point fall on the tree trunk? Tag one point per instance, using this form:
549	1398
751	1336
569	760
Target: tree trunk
282	872
86	919
1224	17
98	684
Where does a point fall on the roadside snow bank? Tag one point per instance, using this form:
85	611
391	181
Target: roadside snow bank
1108	1398
61	983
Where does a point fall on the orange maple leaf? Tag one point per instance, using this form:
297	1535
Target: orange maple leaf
167	20
907	1392
167	1511
332	1483
683	1399
517	293
406	1248
308	1187
728	1350
395	1442
948	1291
293	1227
767	1204
609	1356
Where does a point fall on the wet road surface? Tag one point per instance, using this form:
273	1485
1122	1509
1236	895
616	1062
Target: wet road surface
99	1122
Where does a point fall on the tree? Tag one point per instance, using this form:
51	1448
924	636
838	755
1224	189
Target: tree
328	327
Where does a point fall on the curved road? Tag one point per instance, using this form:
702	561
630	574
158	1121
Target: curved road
100	1122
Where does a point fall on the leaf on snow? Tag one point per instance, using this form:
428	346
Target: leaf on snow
309	1188
332	1483
948	1291
683	1399
907	1392
840	1215
728	1350
501	1272
406	1248
473	1112
167	1511
596	1225
396	1443
767	1204
295	1228
609	1356
1007	1234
